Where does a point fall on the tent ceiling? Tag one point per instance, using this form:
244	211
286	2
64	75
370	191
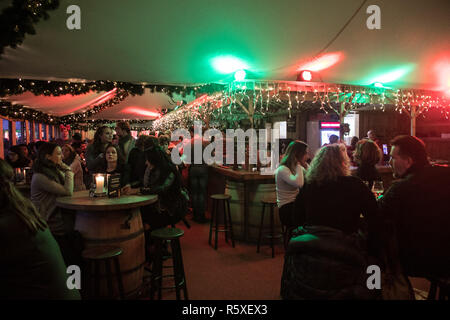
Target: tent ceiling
166	42
144	107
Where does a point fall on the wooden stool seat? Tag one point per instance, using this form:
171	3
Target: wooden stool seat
221	197
100	253
270	201
173	236
167	233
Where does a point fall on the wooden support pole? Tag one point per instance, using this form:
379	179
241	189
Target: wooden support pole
413	121
27	131
39	137
13	133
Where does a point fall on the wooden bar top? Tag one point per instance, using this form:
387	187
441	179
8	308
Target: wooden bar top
81	201
380	169
243	175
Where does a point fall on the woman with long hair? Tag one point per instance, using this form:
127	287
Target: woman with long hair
72	159
289	177
328	244
52	178
95	152
162	178
366	155
30	259
331	196
114	163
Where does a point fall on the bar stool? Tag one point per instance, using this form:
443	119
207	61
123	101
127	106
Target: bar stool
93	257
227	226
173	236
271	203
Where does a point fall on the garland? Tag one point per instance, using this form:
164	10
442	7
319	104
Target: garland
17	20
94	124
19	112
57	88
81	117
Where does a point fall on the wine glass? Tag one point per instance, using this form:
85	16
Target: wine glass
377	188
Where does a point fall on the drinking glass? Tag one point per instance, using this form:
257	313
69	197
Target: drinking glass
377	188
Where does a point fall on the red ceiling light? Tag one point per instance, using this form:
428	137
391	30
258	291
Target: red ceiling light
305	75
322	62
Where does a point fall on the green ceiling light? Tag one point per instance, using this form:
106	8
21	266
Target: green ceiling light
390	76
240	75
228	64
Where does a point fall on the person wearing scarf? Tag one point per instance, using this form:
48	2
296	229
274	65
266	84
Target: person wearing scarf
52	179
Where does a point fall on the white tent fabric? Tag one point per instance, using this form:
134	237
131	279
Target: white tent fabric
143	107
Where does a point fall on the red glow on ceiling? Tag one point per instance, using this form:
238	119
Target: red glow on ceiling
141	112
442	70
104	97
96	101
322	62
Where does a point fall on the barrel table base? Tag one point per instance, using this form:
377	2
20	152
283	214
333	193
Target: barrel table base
124	229
246	222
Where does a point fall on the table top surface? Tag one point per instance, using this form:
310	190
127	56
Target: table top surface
243	175
81	201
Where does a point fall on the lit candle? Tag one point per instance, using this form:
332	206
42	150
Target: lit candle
99	183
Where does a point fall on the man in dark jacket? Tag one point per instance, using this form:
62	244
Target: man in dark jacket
418	207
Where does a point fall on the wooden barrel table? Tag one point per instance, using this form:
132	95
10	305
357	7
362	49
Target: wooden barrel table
113	222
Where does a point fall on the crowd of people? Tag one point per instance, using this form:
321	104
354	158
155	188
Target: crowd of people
337	227
340	227
144	166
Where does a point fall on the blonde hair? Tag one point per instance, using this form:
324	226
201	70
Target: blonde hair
11	198
329	163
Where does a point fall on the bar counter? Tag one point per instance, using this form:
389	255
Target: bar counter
247	189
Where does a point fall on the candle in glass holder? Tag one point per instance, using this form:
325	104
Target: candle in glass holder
99	184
